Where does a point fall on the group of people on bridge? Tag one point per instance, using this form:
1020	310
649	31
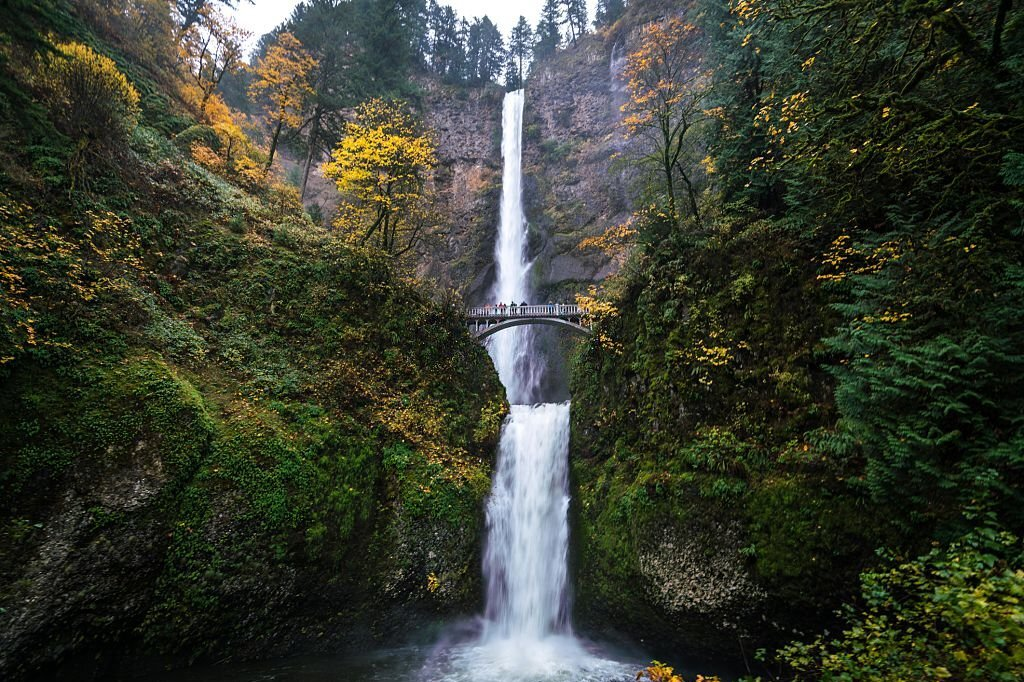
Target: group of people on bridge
504	309
514	309
486	319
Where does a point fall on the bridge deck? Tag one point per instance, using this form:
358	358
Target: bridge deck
564	311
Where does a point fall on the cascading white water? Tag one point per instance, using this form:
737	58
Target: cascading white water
512	350
527	632
527	526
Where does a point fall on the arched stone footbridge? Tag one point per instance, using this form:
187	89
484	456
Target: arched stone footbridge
486	320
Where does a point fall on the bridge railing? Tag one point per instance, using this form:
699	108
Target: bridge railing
543	310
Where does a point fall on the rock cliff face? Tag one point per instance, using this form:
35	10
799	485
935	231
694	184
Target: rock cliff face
466	185
574	187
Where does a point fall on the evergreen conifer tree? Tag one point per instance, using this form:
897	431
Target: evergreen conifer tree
513	78
608	12
520	45
549	32
485	52
575	18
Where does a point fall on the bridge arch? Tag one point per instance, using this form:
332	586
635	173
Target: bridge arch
518	321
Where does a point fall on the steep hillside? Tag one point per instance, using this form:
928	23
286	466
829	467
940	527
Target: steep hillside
224	432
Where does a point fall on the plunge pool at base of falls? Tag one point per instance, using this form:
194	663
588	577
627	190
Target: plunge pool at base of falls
553	659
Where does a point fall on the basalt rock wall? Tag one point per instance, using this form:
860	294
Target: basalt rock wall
576	184
465	187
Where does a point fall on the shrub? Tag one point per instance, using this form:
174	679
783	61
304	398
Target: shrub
91	100
198	133
955	613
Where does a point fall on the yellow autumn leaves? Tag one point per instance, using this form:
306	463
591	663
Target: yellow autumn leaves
283	77
660	672
381	167
90	99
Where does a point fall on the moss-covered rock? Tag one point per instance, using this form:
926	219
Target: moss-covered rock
710	519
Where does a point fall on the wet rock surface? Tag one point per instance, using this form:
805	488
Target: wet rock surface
697	573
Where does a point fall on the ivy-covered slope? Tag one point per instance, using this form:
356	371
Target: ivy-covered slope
826	361
223	432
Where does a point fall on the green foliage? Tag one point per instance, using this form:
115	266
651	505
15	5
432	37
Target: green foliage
23	35
608	12
113	412
254	368
425	491
928	389
203	134
802	533
834	348
954	613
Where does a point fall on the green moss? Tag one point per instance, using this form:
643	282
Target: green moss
97	415
807	541
257	371
427	491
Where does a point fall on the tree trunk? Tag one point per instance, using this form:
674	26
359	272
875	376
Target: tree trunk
273	143
669	185
313	133
997	30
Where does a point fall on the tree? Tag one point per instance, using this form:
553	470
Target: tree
575	18
211	48
380	168
91	101
190	12
144	29
513	75
549	33
485	52
520	45
667	90
608	12
388	32
887	126
448	51
323	28
283	77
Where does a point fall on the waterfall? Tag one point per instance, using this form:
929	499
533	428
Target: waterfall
527	526
526	635
615	64
512	350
